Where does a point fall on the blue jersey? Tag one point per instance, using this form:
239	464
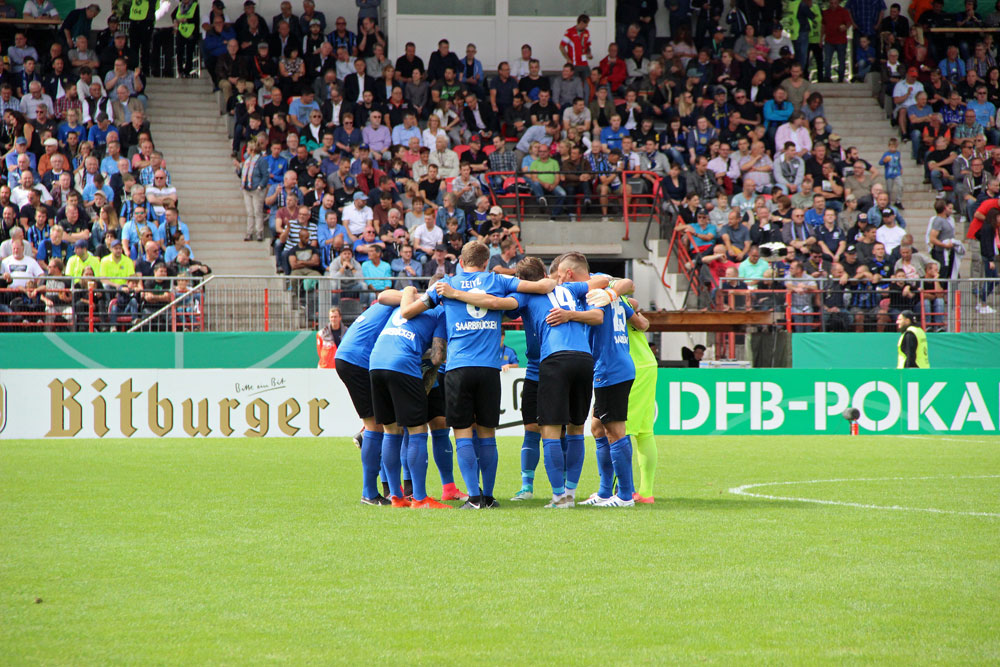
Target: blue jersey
508	356
356	345
474	333
532	351
402	343
609	341
567	337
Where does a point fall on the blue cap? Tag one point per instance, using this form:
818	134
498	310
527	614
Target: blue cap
350	182
359	195
80	244
364	147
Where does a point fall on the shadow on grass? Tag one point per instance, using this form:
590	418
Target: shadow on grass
722	503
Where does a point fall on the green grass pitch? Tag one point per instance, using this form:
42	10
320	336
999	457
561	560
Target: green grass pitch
246	551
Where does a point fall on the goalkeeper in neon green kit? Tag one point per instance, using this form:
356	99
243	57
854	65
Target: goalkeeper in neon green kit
642	410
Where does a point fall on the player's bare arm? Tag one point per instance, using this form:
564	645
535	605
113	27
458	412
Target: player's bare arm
638	321
436	356
593	317
622	286
598	282
543	286
390	297
410	306
477	299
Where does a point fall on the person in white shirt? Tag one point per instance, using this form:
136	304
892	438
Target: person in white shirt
160	194
890	234
445	158
36	10
19	196
357	216
429	137
904	96
427	236
725	164
19	269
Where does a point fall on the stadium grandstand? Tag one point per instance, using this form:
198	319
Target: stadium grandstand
198	167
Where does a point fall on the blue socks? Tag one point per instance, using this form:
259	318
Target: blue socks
555	465
488	464
530	453
605	467
468	465
565	446
443	459
575	453
417	458
403	454
371	462
391	444
621	457
477	443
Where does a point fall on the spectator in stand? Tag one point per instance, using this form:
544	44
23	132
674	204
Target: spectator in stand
836	22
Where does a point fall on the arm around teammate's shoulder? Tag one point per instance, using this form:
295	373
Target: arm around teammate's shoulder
543	286
390	297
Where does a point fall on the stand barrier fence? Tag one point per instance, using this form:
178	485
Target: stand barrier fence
180	303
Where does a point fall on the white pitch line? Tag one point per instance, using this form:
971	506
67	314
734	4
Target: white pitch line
935	437
744	491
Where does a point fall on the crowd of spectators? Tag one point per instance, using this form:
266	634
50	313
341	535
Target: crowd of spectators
376	167
89	218
393	159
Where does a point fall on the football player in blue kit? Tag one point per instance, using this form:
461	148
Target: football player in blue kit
561	319
472	381
614	373
351	363
399	399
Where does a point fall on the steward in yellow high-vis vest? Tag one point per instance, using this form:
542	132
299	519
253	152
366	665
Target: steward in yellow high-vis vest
142	17
912	344
186	30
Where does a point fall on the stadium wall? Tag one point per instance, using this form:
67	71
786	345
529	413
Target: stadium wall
878	350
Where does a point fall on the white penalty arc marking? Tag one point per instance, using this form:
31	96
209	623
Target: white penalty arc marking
745	491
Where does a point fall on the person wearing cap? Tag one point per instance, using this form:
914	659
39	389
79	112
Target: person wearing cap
117	266
358	214
81	259
912	344
904	95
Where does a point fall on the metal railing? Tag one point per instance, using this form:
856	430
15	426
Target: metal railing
294	303
634	198
966	305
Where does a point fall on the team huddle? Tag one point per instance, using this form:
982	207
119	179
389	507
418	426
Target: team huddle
427	364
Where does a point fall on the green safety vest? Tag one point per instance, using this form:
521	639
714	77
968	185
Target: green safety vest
139	10
922	360
187	20
791	22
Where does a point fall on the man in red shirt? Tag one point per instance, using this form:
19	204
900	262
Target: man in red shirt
836	21
575	46
613	71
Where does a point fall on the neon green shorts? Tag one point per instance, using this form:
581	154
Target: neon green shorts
642	402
